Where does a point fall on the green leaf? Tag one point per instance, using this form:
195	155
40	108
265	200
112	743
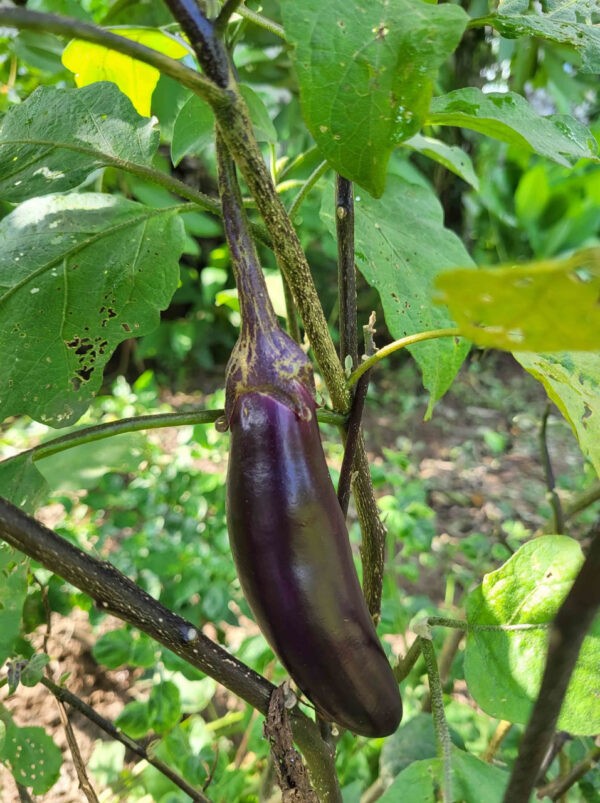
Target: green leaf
164	707
194	127
451	157
558	26
57	137
13	590
401	245
503	668
33	672
366	72
114	649
572	381
32	756
21	482
549	305
86	465
78	275
134	720
91	63
472	780
509	117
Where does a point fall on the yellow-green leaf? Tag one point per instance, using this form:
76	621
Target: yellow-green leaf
91	63
545	306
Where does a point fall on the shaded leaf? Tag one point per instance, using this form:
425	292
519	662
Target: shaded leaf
33	672
57	137
366	72
509	117
114	649
164	707
137	80
13	590
572	381
78	275
503	668
543	306
21	482
401	246
134	720
451	157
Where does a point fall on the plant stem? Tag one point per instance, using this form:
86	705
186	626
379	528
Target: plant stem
116	594
406	664
500	734
229	8
557	511
439	717
262	22
138	423
409	340
558	787
65	696
569	628
66	26
344	223
447	654
306	188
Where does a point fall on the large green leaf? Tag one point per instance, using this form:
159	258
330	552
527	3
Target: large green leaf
78	275
366	72
13	590
31	755
542	306
509	117
572	381
57	137
472	780
137	80
503	667
566	22
401	246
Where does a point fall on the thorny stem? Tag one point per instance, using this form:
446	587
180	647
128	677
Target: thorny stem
65	696
116	594
569	628
409	340
557	511
439	716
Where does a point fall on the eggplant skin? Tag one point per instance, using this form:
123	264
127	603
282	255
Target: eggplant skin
290	545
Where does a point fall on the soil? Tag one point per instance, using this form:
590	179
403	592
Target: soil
472	481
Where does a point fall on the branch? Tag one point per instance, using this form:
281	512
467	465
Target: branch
116	594
65	26
439	717
65	696
557	511
569	628
344	225
559	786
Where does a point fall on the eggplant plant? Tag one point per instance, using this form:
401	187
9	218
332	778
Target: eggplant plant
361	107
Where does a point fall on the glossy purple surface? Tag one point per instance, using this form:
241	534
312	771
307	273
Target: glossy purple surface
292	553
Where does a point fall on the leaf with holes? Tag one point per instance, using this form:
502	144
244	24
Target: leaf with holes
401	246
366	72
503	666
31	755
57	137
137	80
509	117
78	275
543	306
572	381
13	590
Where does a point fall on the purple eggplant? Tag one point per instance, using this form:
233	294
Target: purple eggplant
286	528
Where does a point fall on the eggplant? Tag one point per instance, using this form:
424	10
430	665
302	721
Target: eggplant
287	531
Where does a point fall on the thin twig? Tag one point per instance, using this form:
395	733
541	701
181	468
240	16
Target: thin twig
447	654
405	665
559	786
116	594
500	734
569	628
200	31
228	9
262	22
557	511
65	696
307	186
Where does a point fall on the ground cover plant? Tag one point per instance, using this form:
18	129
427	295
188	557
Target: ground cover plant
154	159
